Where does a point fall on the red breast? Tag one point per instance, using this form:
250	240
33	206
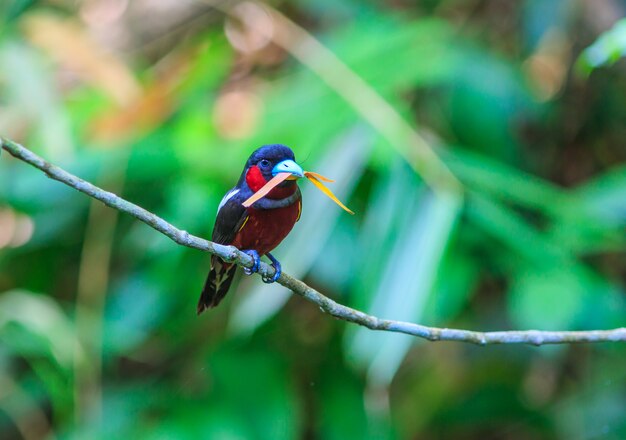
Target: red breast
264	229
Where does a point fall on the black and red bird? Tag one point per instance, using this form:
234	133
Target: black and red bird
256	230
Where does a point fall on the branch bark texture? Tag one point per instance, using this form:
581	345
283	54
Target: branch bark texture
326	305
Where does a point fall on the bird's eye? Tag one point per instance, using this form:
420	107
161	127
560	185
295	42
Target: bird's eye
264	163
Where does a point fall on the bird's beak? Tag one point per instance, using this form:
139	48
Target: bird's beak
288	166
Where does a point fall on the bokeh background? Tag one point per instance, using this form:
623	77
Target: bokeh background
161	101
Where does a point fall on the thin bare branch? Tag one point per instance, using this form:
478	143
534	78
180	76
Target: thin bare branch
327	305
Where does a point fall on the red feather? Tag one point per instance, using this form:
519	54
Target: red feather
263	230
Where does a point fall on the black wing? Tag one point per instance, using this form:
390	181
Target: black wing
230	217
217	284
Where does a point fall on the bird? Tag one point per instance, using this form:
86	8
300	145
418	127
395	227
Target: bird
260	228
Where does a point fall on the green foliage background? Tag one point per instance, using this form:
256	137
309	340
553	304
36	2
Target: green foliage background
162	102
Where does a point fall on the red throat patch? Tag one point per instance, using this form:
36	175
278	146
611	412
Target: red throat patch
255	179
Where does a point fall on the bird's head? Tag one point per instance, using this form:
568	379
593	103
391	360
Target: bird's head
271	172
268	161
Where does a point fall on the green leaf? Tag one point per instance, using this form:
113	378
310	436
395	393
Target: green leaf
35	327
408	275
342	409
491	177
43	318
606	50
33	97
546	300
456	279
256	384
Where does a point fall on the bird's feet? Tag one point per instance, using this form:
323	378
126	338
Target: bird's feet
276	266
257	262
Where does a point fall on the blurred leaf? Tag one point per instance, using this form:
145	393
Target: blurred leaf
408	275
514	231
24	410
541	17
422	52
369	48
603	199
43	318
35	100
11	9
214	422
487	96
256	385
379	231
334	268
488	176
342	408
211	61
546	300
457	276
69	44
593	220
133	312
607	49
35	327
145	109
596	406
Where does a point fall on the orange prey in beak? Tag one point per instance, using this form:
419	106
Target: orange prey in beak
315	178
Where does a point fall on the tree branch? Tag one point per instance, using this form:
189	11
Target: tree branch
327	305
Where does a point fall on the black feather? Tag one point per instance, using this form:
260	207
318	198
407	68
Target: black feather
230	217
229	220
217	284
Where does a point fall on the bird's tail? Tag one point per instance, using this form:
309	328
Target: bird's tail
217	284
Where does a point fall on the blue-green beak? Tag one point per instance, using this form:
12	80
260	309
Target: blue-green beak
288	166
